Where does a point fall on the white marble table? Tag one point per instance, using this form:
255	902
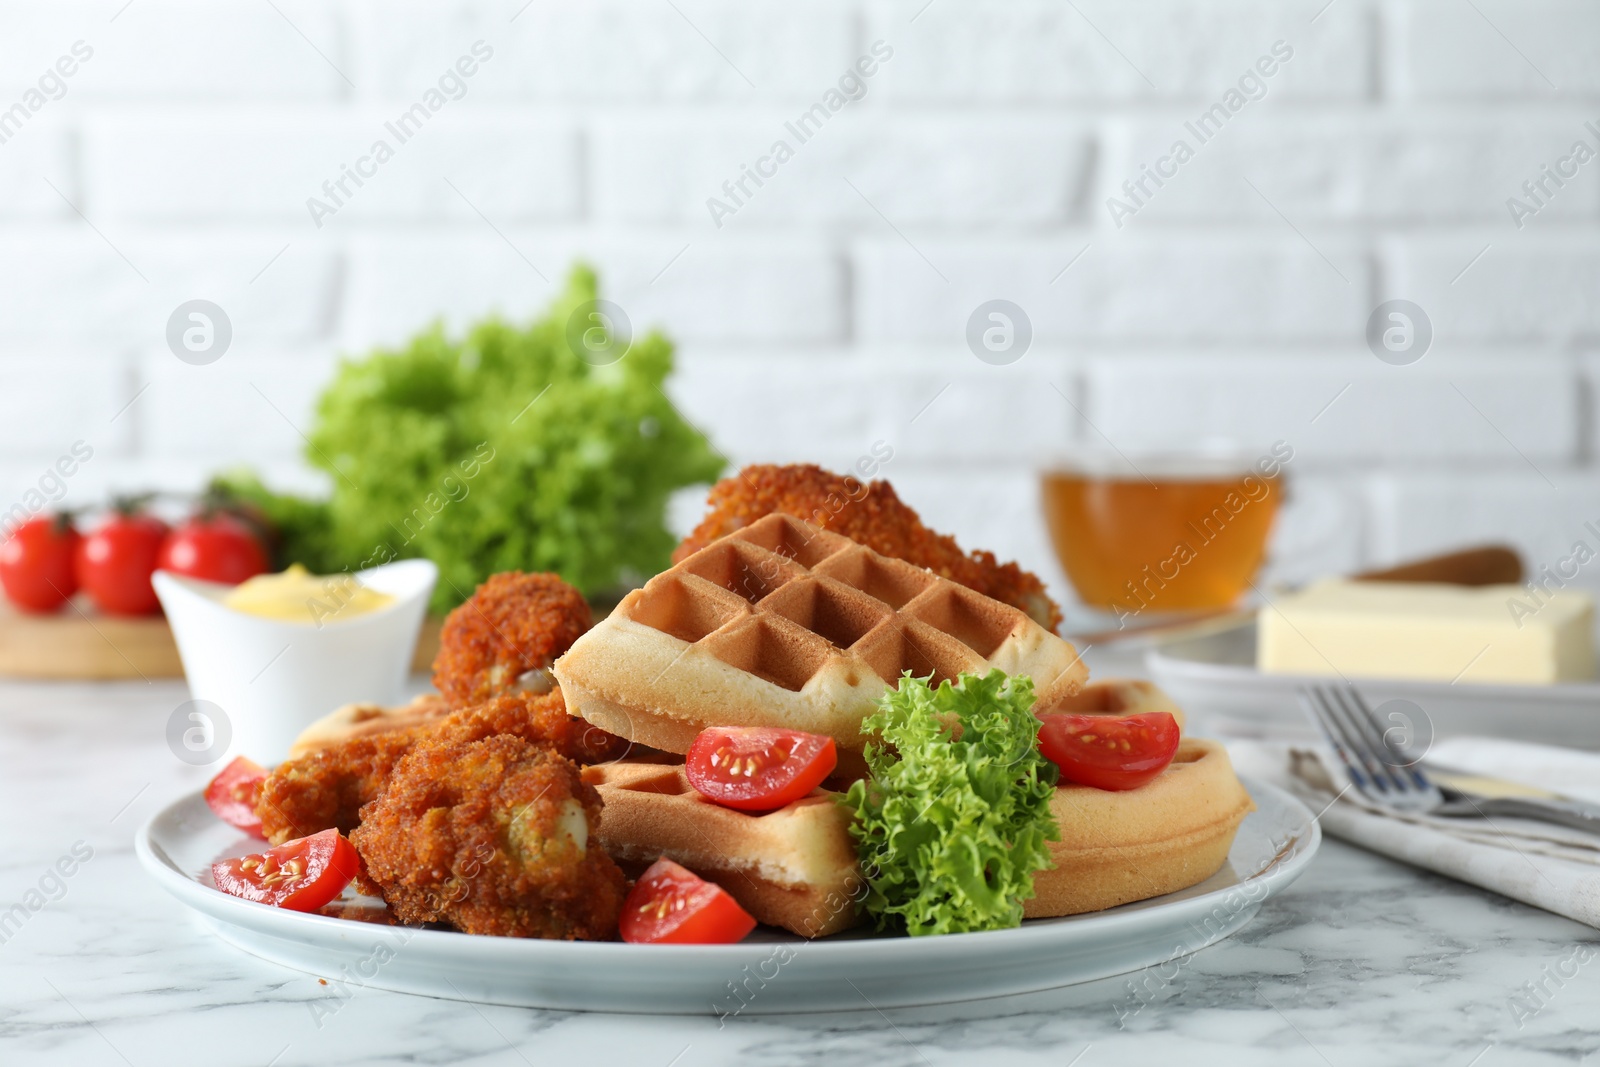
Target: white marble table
1362	962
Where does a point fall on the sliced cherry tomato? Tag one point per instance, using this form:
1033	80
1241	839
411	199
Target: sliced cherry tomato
671	905
301	875
232	795
758	768
37	563
116	560
216	548
1108	752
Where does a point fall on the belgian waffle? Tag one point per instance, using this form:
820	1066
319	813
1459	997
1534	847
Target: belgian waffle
1121	696
1169	834
784	624
794	867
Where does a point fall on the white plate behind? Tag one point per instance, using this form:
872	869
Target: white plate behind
1214	679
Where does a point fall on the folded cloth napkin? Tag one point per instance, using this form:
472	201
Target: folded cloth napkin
1551	867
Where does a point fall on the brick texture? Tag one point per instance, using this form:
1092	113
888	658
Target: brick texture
827	307
1042	51
1349	408
916	171
268	165
1133	286
1495	50
615	50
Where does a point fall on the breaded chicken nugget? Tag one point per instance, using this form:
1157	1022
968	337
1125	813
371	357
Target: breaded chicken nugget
494	836
327	787
540	718
513	624
869	513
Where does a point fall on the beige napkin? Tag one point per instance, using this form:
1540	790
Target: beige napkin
1551	867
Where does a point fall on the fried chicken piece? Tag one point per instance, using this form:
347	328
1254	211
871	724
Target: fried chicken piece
513	624
541	718
494	655
505	637
494	836
871	514
327	787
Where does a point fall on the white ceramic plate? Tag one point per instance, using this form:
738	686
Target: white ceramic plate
1214	679
769	973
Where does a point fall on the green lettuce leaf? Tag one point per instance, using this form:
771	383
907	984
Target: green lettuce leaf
500	450
950	832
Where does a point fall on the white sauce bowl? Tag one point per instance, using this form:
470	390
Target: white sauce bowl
273	678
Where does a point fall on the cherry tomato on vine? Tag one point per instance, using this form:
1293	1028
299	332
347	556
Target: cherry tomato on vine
37	565
117	558
216	548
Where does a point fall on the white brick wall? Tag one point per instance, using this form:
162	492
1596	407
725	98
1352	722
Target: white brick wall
1179	286
1345	409
935	171
828	311
611	51
1039	51
239	165
1444	55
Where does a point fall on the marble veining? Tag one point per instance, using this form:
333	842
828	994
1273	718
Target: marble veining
1361	962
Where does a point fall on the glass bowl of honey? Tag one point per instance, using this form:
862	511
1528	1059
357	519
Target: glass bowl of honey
1163	533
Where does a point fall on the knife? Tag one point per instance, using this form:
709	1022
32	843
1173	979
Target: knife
1470	793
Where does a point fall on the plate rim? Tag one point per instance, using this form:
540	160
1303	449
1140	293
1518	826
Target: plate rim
265	920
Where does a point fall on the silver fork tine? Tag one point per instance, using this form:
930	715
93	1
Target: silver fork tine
1409	789
1369	742
1376	769
1316	701
1397	762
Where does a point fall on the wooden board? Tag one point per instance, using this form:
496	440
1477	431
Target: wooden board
79	643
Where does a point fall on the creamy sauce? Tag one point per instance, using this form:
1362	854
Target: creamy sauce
297	595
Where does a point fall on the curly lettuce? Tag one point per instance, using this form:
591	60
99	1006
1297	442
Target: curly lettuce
504	449
951	831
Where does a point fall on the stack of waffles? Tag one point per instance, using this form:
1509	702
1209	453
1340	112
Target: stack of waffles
779	624
794	867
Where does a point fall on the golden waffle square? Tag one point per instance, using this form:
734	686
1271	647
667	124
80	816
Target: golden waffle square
784	624
794	867
1121	846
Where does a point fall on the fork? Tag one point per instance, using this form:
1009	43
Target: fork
1382	771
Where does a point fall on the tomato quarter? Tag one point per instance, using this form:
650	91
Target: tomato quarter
758	768
37	563
671	905
1108	752
301	875
215	548
116	560
232	795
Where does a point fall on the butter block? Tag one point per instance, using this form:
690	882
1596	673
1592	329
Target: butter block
1427	631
